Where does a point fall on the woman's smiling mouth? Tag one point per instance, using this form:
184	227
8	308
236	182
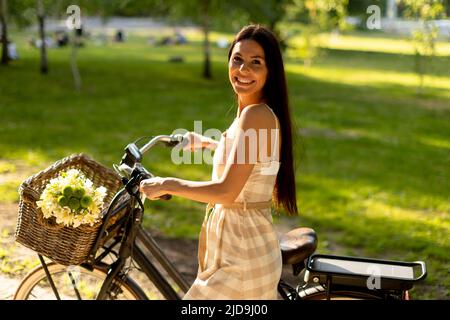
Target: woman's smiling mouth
243	81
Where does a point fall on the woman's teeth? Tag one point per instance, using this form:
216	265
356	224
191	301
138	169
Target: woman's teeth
244	81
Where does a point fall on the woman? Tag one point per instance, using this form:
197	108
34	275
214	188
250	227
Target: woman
239	255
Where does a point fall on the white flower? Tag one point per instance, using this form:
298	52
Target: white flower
77	212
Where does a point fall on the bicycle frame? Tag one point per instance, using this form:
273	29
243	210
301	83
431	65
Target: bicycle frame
137	242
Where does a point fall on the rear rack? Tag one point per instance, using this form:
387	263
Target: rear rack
373	274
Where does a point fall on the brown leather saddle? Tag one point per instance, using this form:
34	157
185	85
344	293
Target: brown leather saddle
297	245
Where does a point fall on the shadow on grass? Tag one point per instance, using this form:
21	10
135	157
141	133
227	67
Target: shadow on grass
382	61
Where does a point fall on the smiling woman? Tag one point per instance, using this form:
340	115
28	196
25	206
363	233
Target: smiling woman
239	255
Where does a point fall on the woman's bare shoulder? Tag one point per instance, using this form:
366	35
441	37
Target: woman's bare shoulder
257	116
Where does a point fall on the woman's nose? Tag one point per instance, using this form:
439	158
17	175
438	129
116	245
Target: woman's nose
243	67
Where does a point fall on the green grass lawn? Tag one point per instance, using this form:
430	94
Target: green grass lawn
373	176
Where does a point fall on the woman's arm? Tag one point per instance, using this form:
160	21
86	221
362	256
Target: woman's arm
202	191
197	141
236	172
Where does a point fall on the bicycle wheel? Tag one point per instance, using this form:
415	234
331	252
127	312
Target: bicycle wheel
72	283
318	292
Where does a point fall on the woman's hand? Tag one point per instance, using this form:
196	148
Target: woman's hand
191	141
153	187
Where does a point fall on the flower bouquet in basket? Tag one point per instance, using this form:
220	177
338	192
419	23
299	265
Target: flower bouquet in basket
72	199
61	208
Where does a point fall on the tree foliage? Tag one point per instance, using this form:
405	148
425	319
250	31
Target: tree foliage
423	38
316	16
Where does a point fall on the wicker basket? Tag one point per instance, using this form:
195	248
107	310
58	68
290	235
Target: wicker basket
64	245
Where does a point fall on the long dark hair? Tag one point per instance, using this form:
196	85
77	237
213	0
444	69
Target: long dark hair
275	93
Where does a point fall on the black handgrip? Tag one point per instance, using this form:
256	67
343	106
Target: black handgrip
172	143
165	197
176	139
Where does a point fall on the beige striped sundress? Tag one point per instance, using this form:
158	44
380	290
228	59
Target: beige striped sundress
239	254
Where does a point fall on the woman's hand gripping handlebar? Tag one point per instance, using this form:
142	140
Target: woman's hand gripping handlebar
133	172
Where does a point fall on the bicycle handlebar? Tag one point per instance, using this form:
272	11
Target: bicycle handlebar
131	161
171	140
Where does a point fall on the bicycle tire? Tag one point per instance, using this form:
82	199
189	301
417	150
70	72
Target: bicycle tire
318	292
35	285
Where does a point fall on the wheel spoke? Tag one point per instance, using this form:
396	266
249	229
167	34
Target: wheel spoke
74	285
71	284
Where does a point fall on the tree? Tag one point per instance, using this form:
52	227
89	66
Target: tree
317	16
225	15
41	23
202	12
12	11
75	42
424	38
105	8
206	24
269	12
4	37
24	13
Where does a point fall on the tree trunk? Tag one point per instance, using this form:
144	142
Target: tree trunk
73	62
41	21
207	63
391	10
3	13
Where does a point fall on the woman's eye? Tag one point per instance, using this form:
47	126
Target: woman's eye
256	62
237	59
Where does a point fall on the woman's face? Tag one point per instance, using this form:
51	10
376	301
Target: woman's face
247	68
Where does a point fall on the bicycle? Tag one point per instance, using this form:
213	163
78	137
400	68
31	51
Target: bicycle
106	272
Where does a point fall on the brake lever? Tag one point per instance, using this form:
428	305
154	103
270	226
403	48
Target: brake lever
144	175
171	144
